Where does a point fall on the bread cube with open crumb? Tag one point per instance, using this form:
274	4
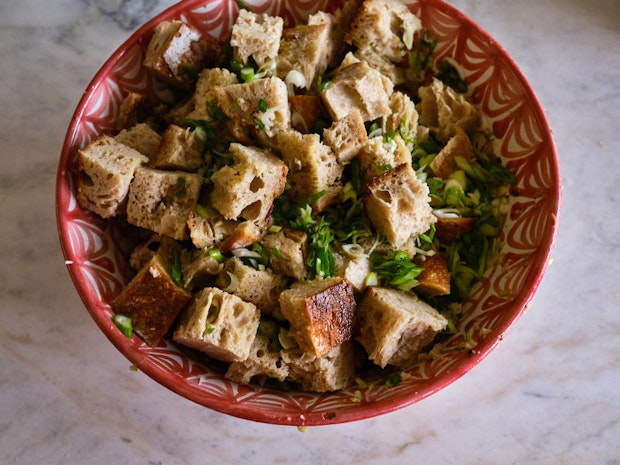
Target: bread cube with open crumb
152	299
162	200
105	170
321	313
395	326
330	372
346	137
256	36
434	279
398	205
262	364
204	98
142	138
219	324
248	188
179	150
459	145
287	249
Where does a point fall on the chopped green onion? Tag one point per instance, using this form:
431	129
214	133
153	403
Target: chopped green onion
123	323
262	106
176	270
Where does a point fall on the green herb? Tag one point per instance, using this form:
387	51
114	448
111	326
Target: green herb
180	187
216	254
123	323
176	269
420	59
396	269
243	5
262	106
203	130
202	212
449	75
216	112
322	83
259	124
393	380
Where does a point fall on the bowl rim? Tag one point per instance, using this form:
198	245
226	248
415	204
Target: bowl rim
365	411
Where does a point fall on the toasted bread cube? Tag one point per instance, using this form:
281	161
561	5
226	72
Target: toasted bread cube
443	110
459	145
245	234
138	108
313	168
207	227
262	288
304	50
382	25
105	170
262	364
334	370
398	205
248	188
305	112
379	156
448	229
204	99
177	51
142	138
434	280
347	136
358	87
162	200
395	73
179	150
219	324
320	312
242	104
256	36
396	326
353	269
403	118
288	251
156	243
199	269
152	300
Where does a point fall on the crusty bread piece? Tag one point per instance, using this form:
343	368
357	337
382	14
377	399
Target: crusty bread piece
177	52
162	200
434	280
398	205
152	300
320	312
256	36
313	168
347	136
141	108
287	249
304	50
156	243
358	87
241	103
105	170
248	188
334	370
262	364
448	229
219	324
245	234
142	138
395	326
443	110
207	227
395	73
262	288
381	25
204	96
378	156
305	112
403	117
353	269
179	150
459	145
199	269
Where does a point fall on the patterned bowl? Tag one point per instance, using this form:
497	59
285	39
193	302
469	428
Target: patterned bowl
96	250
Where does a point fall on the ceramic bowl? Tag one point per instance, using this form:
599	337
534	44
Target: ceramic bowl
96	250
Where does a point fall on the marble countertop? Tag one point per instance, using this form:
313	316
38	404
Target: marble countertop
547	395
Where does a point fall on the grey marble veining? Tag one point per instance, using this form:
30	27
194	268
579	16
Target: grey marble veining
547	395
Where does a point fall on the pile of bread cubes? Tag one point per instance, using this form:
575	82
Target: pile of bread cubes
152	172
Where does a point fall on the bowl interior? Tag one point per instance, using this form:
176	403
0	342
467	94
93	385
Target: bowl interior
95	250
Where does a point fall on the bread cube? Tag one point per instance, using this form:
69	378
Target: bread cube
245	234
219	324
207	227
256	36
443	110
313	168
434	279
382	25
205	97
403	117
320	312
334	370
177	52
179	150
395	326
288	252
162	200
378	156
459	145
304	50
248	188
358	87
353	269
394	72
262	364
105	170
152	300
142	138
448	229
398	205
243	104
305	112
346	137
199	269
262	288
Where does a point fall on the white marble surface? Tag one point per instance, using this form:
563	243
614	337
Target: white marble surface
549	394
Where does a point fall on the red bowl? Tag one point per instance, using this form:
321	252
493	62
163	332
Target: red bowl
96	250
